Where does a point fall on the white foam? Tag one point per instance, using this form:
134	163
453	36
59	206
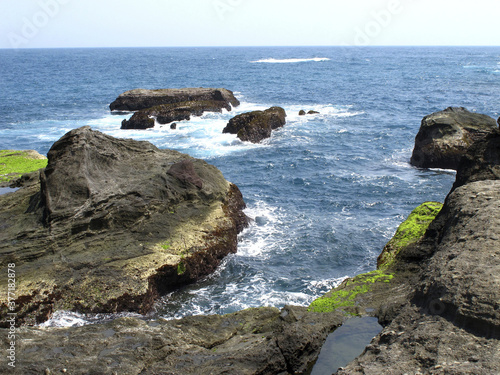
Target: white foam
290	61
263	233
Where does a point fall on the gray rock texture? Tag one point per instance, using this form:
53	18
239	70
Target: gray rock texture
135	100
444	137
257	125
254	341
111	224
451	324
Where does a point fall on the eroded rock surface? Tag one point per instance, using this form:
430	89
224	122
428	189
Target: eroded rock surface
444	137
111	224
451	324
257	125
254	341
135	100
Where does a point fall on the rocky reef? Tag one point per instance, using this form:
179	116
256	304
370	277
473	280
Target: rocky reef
444	137
169	105
257	125
135	100
111	224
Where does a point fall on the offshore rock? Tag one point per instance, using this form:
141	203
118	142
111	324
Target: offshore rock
253	341
135	100
167	113
257	125
111	224
444	137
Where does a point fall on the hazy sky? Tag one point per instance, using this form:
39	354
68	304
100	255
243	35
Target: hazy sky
120	23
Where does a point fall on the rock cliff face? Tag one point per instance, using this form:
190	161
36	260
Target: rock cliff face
135	100
444	137
257	125
111	224
451	324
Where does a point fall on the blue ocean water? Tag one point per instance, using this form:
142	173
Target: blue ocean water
326	192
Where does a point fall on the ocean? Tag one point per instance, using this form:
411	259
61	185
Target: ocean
325	192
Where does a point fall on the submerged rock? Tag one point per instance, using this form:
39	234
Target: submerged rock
112	225
444	137
135	100
257	125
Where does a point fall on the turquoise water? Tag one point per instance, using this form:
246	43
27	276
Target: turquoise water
326	192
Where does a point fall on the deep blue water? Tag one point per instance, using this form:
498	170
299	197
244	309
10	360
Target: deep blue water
326	192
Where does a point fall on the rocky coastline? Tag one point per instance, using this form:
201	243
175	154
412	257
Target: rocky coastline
436	290
111	224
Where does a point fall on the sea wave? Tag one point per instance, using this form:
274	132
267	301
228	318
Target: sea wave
289	61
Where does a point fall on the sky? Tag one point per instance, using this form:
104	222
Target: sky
166	23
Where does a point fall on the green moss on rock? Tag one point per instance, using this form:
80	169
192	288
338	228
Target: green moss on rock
409	232
345	295
13	164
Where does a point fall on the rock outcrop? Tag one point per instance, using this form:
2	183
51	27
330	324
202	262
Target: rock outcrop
257	125
168	113
135	100
450	323
444	137
169	105
254	341
111	224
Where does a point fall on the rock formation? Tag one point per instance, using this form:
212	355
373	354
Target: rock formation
254	341
444	137
169	105
167	113
135	100
111	224
450	322
257	125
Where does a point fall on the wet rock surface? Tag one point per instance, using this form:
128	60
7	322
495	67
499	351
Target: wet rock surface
169	105
444	137
111	224
257	125
254	341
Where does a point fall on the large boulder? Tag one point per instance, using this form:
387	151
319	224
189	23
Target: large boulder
112	224
135	100
257	125
444	137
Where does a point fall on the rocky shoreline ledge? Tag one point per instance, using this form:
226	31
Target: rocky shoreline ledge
436	291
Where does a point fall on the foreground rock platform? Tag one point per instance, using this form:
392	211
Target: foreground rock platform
444	137
254	341
111	224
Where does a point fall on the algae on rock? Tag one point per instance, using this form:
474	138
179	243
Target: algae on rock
14	163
